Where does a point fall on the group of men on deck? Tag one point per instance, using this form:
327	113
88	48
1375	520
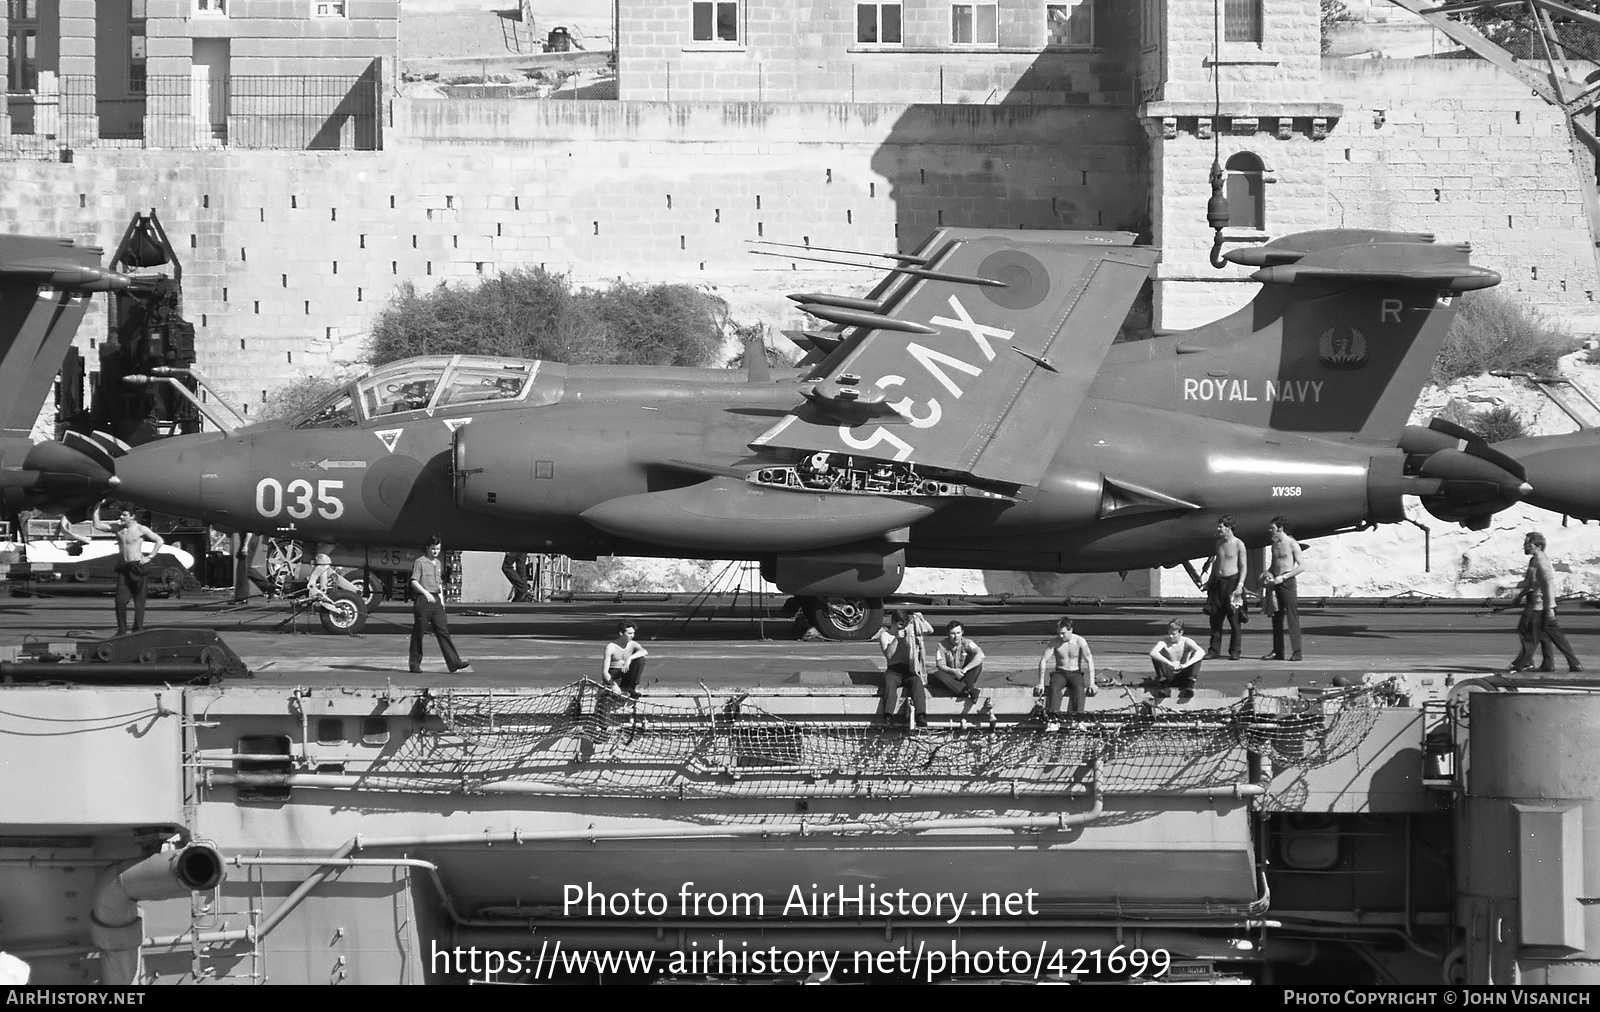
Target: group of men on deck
1279	591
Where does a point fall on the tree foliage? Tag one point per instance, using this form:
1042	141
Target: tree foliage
533	313
1491	333
1334	14
298	396
1514	29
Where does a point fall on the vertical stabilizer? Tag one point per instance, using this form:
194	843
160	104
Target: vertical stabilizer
44	293
1338	342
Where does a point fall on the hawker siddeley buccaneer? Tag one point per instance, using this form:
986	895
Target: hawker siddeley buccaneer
972	411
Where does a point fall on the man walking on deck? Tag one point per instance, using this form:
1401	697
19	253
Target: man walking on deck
1538	626
427	610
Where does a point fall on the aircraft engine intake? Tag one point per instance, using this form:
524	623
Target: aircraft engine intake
863	571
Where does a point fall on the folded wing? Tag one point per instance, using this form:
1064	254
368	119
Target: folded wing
976	362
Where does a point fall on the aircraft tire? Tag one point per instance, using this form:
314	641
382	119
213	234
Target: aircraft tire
845	618
371	593
346	617
170	582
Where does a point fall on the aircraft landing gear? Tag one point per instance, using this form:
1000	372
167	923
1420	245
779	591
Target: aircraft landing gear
845	618
343	613
282	564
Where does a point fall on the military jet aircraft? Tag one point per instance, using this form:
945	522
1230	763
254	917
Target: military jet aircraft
973	411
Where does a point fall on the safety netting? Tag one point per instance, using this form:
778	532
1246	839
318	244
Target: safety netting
587	739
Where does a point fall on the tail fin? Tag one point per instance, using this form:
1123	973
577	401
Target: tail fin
44	291
1338	342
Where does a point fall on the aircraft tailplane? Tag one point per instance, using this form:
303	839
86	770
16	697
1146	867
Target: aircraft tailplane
1337	343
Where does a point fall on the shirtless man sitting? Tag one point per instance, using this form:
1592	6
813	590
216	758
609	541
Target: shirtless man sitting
622	666
1177	662
1224	601
1070	664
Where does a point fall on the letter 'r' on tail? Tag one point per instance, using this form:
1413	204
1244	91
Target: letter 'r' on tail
1338	342
44	292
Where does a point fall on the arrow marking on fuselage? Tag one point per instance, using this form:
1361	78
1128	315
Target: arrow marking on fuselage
388	437
329	465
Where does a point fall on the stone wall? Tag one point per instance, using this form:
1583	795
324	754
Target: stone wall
1460	149
288	255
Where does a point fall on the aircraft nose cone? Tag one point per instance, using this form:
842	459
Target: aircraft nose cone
165	475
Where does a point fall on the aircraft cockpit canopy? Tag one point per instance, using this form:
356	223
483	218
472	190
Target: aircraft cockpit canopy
419	384
335	411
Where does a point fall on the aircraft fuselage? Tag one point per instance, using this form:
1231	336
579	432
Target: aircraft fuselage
393	483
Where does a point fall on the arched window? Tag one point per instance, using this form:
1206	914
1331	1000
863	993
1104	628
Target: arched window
1247	201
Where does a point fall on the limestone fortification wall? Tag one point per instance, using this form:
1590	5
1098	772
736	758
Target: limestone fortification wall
288	255
1460	149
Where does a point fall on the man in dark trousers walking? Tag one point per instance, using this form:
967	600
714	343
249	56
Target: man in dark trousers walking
1539	627
427	609
514	566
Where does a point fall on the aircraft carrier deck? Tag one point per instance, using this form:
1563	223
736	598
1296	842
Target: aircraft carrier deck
526	645
334	817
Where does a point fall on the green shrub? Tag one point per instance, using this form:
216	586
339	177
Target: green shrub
1498	424
777	358
1456	411
1491	333
533	313
297	396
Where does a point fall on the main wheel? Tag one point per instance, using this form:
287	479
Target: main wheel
371	593
282	564
845	618
345	615
172	581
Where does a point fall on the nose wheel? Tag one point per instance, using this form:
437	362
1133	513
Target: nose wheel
343	614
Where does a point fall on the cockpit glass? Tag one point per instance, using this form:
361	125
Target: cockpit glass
476	382
401	387
458	381
336	411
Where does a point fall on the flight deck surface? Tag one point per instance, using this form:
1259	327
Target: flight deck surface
541	645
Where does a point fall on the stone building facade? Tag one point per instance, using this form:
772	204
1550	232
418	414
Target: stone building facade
1076	52
290	253
195	73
